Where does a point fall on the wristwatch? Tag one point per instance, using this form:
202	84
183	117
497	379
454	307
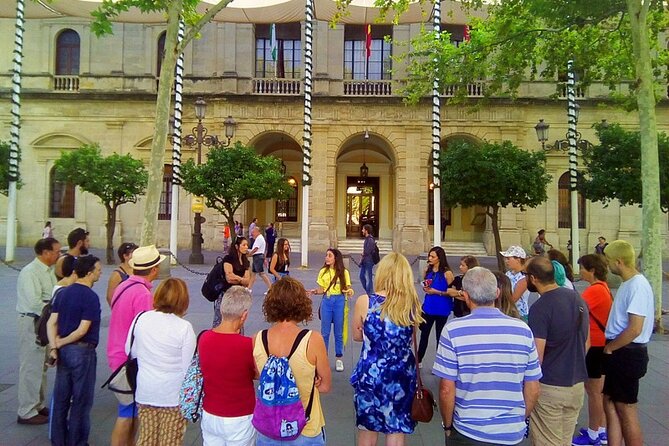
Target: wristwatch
446	428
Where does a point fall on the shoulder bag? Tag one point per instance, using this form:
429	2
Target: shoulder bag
422	406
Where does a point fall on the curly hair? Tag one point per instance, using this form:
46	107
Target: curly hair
287	300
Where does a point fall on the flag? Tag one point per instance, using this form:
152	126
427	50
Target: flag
274	47
466	36
368	40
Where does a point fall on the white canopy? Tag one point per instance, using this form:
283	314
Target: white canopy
246	11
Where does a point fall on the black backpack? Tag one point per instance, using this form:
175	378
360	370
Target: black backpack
215	281
376	255
40	323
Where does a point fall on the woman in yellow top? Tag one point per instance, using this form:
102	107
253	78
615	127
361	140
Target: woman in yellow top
334	282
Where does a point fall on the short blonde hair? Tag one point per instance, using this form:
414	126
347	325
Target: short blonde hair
395	277
621	250
171	297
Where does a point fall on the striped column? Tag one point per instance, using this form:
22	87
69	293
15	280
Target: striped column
572	136
436	136
307	136
176	146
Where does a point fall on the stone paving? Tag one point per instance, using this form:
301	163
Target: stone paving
338	406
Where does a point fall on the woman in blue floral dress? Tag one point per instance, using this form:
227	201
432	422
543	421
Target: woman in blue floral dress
384	379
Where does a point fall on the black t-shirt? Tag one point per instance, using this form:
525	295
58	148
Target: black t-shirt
237	268
555	317
78	303
460	307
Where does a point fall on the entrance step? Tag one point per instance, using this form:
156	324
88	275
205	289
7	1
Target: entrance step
354	245
455	248
295	244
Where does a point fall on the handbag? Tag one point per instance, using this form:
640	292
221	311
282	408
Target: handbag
191	393
422	405
123	380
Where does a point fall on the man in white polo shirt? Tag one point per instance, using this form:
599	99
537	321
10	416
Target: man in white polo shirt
258	253
627	332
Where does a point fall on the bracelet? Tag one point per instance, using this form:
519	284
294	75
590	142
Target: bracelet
446	428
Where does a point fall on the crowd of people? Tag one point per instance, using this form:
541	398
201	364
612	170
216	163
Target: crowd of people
507	367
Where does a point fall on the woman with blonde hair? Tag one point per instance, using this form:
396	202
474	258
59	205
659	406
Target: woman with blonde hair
163	344
384	380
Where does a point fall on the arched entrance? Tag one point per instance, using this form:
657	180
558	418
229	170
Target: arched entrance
458	223
365	186
284	213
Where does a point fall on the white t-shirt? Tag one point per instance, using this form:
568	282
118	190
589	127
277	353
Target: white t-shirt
164	346
259	242
635	296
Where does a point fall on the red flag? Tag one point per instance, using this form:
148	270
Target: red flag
368	43
466	36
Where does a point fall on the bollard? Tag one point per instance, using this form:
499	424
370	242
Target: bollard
164	270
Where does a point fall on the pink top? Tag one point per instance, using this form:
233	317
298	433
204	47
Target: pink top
137	299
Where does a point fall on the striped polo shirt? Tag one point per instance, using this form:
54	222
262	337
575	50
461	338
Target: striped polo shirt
488	355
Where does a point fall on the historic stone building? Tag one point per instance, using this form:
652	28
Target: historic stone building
81	89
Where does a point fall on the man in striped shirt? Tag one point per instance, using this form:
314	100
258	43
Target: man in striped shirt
489	370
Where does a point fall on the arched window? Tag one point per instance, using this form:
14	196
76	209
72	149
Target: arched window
61	197
160	53
165	209
286	210
67	53
564	204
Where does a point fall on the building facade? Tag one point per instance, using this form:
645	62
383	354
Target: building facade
79	89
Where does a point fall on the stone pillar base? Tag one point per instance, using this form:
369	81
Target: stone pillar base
411	240
319	237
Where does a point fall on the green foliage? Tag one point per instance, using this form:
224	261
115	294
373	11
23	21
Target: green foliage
492	175
110	9
115	179
614	167
233	175
4	168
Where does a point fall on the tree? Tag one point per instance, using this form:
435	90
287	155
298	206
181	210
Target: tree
494	175
233	175
616	42
115	180
4	168
614	167
174	10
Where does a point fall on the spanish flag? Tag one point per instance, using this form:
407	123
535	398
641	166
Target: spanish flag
368	40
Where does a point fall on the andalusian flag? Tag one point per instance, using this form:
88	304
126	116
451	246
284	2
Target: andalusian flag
273	44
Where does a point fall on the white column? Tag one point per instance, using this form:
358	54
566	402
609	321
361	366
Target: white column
176	149
573	173
307	138
436	138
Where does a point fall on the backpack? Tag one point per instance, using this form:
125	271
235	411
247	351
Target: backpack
192	387
213	284
279	413
40	323
376	255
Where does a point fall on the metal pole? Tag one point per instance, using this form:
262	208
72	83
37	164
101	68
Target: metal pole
196	257
176	149
14	148
307	136
573	172
436	137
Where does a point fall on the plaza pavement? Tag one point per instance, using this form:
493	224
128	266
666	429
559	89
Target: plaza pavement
337	405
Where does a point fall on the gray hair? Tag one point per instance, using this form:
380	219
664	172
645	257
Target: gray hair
481	286
235	301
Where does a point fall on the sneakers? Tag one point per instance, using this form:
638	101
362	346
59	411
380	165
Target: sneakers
339	365
584	439
603	438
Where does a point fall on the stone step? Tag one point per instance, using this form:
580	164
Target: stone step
354	246
455	248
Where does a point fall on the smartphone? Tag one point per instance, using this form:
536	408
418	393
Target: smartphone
426	283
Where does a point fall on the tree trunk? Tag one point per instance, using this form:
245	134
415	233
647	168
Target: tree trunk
154	188
493	213
651	242
111	226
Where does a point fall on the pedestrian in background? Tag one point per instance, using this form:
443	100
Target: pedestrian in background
366	261
279	264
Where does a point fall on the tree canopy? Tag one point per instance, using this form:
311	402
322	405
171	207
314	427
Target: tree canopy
115	180
4	168
493	175
233	175
614	167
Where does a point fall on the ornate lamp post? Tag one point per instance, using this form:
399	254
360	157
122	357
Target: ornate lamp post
200	137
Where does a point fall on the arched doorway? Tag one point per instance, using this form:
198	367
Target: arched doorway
365	186
285	214
458	223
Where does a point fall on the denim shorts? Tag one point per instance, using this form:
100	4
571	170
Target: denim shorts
127	411
258	262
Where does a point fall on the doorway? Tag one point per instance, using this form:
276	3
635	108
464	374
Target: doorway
361	205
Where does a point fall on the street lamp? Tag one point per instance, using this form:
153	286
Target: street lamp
200	137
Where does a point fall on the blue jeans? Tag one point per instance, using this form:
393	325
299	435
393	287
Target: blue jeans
73	395
366	278
318	440
332	312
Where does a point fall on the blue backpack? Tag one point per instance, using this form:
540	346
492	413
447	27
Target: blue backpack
279	413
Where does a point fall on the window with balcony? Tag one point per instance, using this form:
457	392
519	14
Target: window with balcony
61	197
286	210
367	60
564	204
165	208
279	57
67	61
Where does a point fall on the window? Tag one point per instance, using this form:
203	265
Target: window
445	212
357	65
165	208
288	61
160	53
286	210
61	197
67	53
564	204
